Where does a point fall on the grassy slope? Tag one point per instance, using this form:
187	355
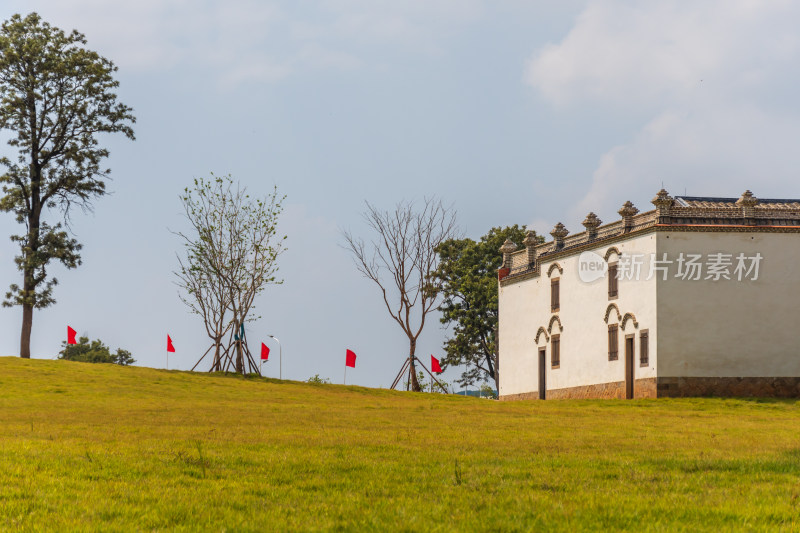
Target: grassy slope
87	446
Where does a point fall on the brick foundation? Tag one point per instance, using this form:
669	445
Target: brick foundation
645	388
603	391
520	396
665	387
783	387
642	388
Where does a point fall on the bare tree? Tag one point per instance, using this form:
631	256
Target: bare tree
231	256
401	260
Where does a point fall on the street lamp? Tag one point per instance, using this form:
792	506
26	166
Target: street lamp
280	356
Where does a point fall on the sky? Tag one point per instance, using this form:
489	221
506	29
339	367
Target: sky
511	111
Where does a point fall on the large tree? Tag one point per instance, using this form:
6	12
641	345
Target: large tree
468	275
401	258
56	97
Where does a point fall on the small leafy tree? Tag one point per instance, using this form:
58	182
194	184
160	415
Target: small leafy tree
94	352
56	98
317	380
468	275
488	392
426	385
230	257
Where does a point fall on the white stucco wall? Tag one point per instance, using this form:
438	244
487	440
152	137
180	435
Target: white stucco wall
525	306
518	312
731	328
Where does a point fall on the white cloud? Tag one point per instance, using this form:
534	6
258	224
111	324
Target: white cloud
541	226
240	41
225	38
317	56
415	23
634	54
710	82
713	151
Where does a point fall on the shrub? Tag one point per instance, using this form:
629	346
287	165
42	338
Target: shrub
94	352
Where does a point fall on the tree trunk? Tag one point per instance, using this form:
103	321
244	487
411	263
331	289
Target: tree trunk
27	326
496	358
497	373
412	369
28	272
215	366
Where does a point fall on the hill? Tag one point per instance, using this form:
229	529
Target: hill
91	446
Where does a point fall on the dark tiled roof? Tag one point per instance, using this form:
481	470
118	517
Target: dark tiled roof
711	202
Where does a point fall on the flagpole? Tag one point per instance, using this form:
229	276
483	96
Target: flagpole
345	374
280	356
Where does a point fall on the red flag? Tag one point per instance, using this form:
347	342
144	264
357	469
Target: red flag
435	365
264	352
170	347
71	336
350	359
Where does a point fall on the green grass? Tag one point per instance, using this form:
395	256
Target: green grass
101	447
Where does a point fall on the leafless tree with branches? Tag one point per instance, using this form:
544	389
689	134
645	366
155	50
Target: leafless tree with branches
401	259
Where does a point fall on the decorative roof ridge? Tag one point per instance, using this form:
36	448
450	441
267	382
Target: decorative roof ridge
758	208
681	213
602	230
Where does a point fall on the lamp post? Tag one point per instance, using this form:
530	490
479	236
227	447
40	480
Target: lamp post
280	356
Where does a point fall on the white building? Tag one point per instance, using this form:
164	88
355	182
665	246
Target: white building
698	297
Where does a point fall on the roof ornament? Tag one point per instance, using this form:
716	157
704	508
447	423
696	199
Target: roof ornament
530	243
663	202
627	211
748	203
558	233
591	223
507	249
747	200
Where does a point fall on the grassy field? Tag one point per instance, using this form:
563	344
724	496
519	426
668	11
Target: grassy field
88	447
